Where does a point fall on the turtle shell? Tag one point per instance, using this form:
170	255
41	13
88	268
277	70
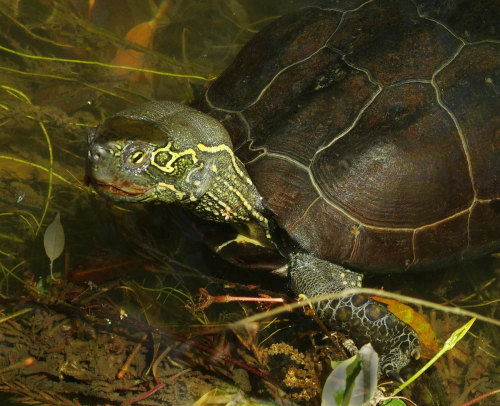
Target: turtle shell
372	131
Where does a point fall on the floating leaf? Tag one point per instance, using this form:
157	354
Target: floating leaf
354	381
53	241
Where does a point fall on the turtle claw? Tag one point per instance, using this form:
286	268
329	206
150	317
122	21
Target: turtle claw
416	354
394	376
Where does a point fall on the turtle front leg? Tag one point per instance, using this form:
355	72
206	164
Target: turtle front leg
363	319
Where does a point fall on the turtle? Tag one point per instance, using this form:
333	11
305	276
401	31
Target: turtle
347	137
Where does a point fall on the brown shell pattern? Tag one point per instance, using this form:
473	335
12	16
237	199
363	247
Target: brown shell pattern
372	131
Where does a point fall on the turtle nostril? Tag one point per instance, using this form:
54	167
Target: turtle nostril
96	153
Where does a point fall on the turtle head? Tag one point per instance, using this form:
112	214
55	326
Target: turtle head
157	151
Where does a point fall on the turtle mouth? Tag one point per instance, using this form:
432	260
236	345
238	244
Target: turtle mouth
124	190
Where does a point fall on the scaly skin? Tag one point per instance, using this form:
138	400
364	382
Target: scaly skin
362	318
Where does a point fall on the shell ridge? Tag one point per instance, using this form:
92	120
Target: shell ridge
301	218
442	104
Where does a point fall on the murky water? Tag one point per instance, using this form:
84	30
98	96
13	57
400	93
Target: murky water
49	104
58	79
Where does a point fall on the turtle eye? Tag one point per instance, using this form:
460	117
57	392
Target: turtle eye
137	157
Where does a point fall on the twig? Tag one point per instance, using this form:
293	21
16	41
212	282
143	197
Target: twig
126	366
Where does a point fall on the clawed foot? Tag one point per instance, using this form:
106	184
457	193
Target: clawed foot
366	320
405	348
363	319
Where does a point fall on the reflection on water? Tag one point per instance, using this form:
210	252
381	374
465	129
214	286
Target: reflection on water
56	82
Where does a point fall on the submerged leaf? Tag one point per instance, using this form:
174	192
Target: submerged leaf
143	35
53	241
369	371
354	381
419	323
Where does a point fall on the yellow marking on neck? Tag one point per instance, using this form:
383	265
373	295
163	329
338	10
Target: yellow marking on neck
239	239
219	202
228	150
174	156
255	214
178	194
